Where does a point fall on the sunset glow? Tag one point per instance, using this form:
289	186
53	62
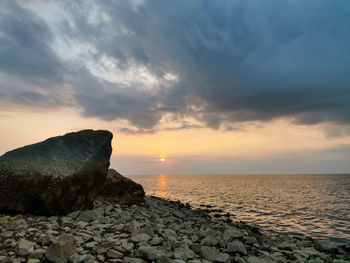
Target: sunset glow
207	91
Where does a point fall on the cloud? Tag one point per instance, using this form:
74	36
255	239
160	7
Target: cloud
183	126
25	44
218	62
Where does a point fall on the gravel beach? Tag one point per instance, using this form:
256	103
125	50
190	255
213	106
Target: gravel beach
156	230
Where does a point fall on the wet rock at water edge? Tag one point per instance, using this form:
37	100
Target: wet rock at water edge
56	176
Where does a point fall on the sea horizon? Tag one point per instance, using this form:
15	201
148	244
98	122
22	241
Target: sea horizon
237	174
296	204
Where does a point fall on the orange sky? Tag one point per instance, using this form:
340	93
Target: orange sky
274	146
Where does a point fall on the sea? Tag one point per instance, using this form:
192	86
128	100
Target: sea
315	205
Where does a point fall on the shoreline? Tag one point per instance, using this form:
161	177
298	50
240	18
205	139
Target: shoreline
156	230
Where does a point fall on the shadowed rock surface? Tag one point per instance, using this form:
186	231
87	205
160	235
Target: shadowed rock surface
56	176
120	189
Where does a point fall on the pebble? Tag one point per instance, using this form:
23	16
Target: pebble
236	246
111	253
60	251
25	247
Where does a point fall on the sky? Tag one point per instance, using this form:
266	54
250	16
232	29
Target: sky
225	86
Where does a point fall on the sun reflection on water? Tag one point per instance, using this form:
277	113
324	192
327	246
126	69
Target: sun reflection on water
311	205
162	186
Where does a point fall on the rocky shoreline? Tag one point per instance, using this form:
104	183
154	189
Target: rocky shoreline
156	230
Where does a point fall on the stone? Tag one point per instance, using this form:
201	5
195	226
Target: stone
287	245
156	241
149	253
315	260
66	238
45	239
183	253
307	252
91	244
222	258
148	229
164	259
74	214
104	247
120	189
114	254
232	233
33	260
37	253
127	246
210	240
327	246
57	176
10	260
7	234
238	259
89	215
89	259
24	247
178	214
140	237
133	260
195	247
253	259
60	251
208	253
249	240
236	246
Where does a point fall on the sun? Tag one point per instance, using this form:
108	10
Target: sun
162	158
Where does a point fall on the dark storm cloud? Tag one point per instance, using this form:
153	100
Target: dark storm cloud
235	61
134	105
25	44
32	98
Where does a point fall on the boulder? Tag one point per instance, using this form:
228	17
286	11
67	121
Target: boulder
56	176
120	189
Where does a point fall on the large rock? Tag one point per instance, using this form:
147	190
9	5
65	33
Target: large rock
120	189
56	176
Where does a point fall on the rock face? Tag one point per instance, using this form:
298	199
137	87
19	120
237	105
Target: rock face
56	176
120	189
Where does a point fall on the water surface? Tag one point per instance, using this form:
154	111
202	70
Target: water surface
311	205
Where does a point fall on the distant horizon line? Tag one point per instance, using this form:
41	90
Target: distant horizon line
348	173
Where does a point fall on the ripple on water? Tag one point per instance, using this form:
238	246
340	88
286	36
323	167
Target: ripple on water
310	205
